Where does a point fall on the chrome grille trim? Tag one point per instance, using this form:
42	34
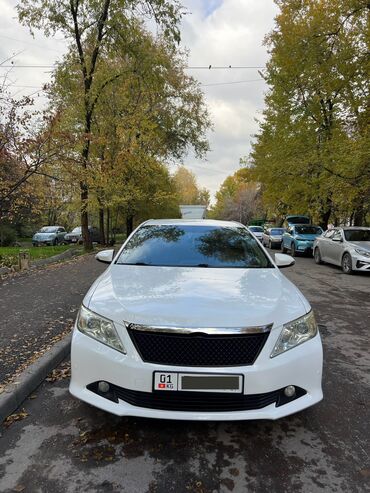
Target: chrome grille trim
200	330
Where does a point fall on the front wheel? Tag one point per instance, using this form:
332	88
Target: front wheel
347	263
317	256
283	249
270	245
55	242
292	250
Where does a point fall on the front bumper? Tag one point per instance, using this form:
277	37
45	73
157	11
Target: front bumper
93	362
360	263
43	242
304	246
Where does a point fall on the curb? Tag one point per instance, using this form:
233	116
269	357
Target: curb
32	377
55	258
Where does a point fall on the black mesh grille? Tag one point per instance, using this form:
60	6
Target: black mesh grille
198	349
196	401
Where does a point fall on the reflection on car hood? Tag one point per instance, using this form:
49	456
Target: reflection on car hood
195	297
364	245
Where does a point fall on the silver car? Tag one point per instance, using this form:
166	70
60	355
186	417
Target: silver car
348	247
257	231
49	235
272	237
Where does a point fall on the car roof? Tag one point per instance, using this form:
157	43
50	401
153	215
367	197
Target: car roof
192	222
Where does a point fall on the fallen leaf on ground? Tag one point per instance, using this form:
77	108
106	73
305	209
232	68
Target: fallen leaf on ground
15	417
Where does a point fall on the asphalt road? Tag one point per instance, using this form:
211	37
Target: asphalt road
37	306
66	446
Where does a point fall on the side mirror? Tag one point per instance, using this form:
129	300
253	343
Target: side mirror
282	260
105	256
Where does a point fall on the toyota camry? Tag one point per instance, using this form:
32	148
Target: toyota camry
194	320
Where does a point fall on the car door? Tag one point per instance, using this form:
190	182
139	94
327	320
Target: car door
335	247
287	238
323	243
61	234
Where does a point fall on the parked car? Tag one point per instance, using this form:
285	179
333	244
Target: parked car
295	219
300	238
272	237
49	235
194	320
75	236
348	247
257	231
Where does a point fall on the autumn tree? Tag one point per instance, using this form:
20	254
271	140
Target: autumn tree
237	199
187	188
311	153
153	113
26	148
95	29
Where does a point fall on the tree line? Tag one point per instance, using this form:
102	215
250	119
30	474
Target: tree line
311	153
120	108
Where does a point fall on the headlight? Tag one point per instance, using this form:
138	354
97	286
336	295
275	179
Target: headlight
99	328
294	333
364	253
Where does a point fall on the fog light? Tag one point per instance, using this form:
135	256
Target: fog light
288	391
104	387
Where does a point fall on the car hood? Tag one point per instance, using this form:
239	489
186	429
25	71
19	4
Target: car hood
308	237
195	297
43	235
364	245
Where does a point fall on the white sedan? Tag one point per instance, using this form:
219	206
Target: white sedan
194	320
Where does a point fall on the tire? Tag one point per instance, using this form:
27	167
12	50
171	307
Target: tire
317	255
293	250
270	245
55	242
347	264
283	249
34	244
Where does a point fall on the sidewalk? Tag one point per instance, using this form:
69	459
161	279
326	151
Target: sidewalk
37	308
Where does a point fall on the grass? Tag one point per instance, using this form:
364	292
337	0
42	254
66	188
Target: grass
9	255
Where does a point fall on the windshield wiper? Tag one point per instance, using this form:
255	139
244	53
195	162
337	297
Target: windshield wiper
202	265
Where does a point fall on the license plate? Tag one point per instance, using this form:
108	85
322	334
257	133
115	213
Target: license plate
197	382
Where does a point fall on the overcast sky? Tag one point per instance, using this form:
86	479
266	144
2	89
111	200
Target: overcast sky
217	33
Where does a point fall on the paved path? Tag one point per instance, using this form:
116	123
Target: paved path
66	446
37	306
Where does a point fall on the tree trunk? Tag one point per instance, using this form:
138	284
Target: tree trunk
324	219
101	225
84	194
108	226
358	216
129	224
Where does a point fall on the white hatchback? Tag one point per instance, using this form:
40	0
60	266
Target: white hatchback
194	320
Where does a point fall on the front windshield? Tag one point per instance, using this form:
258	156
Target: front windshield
48	229
76	230
194	246
357	234
256	229
276	231
308	230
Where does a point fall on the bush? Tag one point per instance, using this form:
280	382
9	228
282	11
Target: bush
7	235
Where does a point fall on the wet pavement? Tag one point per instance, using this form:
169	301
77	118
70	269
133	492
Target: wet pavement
37	306
64	445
